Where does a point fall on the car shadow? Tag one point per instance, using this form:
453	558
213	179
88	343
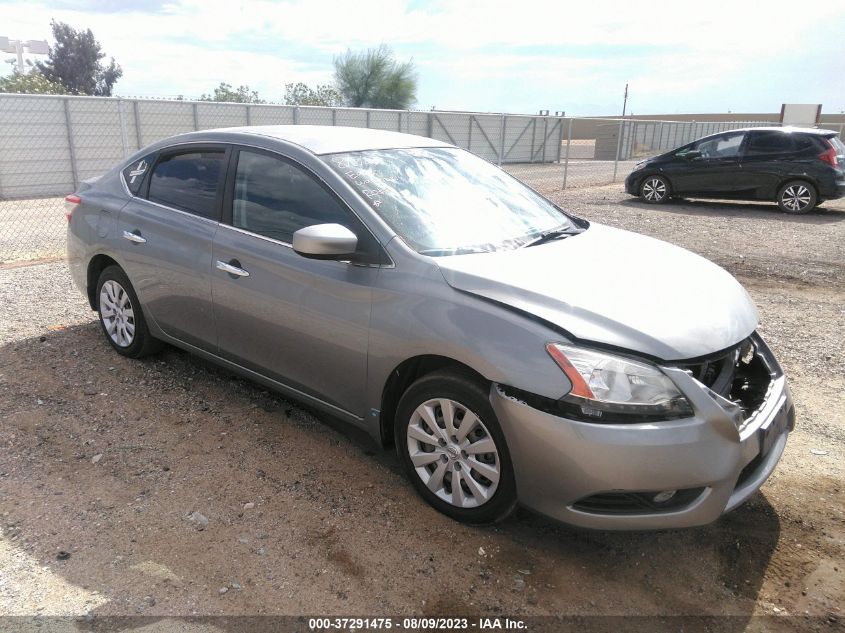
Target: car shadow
106	458
723	208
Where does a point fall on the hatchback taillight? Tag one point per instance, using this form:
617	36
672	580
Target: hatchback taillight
71	202
829	157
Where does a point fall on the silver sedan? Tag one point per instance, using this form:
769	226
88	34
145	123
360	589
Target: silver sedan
510	351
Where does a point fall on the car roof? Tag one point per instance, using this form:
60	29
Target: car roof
327	139
786	129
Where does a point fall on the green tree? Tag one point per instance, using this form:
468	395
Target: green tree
241	94
33	83
76	63
303	94
373	78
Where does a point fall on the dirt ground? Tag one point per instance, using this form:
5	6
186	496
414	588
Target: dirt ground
106	465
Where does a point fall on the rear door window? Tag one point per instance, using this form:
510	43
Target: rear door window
189	181
763	143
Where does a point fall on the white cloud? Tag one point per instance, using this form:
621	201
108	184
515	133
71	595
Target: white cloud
679	49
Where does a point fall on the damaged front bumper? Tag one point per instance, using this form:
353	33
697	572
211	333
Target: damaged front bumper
655	475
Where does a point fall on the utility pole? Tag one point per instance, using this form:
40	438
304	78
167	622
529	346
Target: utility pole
625	101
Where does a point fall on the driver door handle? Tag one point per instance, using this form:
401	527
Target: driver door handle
233	268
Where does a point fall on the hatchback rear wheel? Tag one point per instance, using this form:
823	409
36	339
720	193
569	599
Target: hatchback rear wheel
655	190
453	449
797	197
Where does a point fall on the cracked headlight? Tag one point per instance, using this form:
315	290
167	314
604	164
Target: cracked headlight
610	388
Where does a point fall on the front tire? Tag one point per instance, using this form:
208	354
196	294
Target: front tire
121	317
655	190
453	449
797	197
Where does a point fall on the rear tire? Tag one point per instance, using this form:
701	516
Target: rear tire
797	197
121	317
446	431
655	190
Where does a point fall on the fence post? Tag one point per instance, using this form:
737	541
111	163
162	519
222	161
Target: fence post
545	138
533	139
196	117
334	116
368	119
71	149
559	141
469	137
137	123
248	115
568	149
618	148
122	120
502	140
296	115
430	125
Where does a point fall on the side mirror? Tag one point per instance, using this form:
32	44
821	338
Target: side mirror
692	154
325	241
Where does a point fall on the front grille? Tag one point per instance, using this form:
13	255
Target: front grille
623	503
742	374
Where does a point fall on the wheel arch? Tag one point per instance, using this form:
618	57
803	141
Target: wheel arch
405	374
655	172
802	178
96	266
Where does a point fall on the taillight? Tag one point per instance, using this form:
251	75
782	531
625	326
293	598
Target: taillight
71	202
829	157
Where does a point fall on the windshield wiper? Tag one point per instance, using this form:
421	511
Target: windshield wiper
551	235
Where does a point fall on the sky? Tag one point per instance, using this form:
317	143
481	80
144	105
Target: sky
677	56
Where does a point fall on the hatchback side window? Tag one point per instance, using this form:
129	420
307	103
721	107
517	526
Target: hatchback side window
769	143
275	199
188	181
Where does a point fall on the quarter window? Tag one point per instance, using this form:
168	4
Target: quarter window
133	174
275	199
188	181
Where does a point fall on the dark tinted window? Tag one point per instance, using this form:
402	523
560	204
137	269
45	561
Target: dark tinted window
275	199
134	173
188	181
769	143
807	142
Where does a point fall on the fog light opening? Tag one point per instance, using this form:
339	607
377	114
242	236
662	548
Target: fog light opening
664	496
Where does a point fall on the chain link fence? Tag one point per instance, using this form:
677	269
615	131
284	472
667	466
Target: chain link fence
49	144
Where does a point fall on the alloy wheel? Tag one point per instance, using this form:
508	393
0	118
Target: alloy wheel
117	313
796	197
654	190
453	453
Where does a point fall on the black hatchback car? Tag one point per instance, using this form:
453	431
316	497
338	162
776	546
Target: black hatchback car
796	167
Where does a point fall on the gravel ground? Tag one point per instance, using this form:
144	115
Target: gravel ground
177	488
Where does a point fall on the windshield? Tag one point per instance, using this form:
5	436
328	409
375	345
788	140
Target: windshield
445	201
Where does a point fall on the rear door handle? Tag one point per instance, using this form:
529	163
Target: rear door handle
134	237
233	267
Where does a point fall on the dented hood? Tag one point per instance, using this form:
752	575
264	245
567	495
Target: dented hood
615	287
